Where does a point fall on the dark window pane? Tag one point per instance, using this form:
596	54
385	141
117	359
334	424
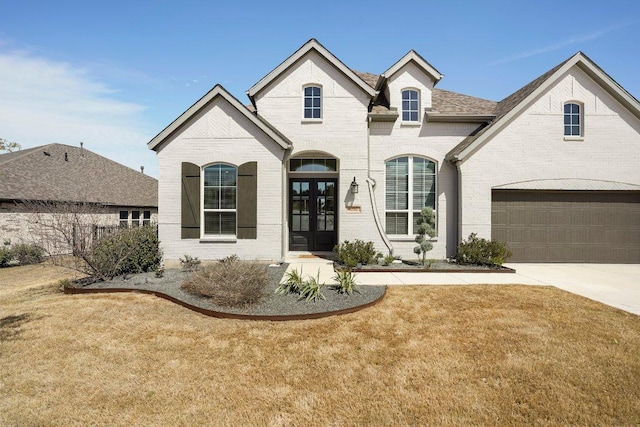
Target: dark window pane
316	114
567	130
124	215
575	108
307	102
307	114
212	198
567	108
212	176
315	91
308	91
567	119
147	214
316	102
135	215
576	130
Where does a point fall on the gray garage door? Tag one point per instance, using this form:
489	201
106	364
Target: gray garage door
568	226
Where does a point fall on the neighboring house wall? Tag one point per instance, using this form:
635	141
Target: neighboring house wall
533	147
221	134
20	224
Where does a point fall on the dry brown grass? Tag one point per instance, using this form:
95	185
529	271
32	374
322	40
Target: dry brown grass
473	355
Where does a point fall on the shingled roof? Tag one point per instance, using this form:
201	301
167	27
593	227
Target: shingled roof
58	172
505	106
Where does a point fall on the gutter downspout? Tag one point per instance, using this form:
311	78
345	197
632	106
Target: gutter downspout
371	185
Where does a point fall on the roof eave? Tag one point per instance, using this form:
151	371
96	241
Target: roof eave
435	117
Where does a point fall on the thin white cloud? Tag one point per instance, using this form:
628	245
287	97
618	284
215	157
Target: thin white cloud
46	101
569	42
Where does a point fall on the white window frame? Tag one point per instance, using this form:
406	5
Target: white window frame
580	116
204	210
410	110
410	194
312	108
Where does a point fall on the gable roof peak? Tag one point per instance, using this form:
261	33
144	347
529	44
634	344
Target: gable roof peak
219	90
312	44
415	57
510	106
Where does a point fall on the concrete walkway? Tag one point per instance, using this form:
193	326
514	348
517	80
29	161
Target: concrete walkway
617	285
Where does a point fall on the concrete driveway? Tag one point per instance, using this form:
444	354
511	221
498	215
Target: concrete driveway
617	285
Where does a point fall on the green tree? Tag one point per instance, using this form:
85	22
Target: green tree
426	222
9	146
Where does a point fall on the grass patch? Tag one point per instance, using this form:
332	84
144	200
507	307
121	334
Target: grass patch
433	355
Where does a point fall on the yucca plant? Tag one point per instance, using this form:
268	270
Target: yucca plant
346	282
292	284
312	289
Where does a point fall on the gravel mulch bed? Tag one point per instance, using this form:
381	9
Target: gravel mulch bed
272	305
438	266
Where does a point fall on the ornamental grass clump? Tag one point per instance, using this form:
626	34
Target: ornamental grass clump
232	283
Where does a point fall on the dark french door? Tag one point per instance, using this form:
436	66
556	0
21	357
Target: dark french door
313	217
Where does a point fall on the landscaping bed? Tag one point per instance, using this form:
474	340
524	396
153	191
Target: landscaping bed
437	266
272	307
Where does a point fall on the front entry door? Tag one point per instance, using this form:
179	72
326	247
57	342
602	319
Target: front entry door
313	220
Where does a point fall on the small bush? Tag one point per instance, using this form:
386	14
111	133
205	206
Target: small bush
27	253
388	260
358	252
346	282
292	284
312	289
190	263
480	251
5	256
230	283
129	250
159	273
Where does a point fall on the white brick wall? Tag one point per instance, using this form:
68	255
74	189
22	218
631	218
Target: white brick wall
533	147
220	133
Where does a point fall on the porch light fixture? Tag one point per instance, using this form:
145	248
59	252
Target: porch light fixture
354	186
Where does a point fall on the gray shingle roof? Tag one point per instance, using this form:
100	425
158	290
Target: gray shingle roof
448	102
58	172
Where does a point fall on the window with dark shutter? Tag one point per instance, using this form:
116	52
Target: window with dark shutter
247	200
190	201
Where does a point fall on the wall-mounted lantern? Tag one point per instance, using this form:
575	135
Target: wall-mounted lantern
354	186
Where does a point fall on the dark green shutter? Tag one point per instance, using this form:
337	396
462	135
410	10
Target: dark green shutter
247	200
190	201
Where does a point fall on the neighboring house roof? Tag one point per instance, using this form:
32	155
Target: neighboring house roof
513	104
218	90
58	172
413	56
311	45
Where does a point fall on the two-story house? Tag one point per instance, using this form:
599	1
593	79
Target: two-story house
324	153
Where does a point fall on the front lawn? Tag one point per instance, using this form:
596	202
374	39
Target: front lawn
432	355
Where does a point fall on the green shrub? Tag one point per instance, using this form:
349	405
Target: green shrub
232	283
346	282
480	251
5	256
358	252
190	263
128	250
27	253
426	222
312	289
388	260
292	284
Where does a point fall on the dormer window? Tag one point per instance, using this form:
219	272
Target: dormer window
410	105
572	119
312	102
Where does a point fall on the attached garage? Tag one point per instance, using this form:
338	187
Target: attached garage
568	226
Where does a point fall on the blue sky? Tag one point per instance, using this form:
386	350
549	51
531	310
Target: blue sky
114	73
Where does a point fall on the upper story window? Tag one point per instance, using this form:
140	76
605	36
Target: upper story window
312	102
410	105
572	119
410	185
219	200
